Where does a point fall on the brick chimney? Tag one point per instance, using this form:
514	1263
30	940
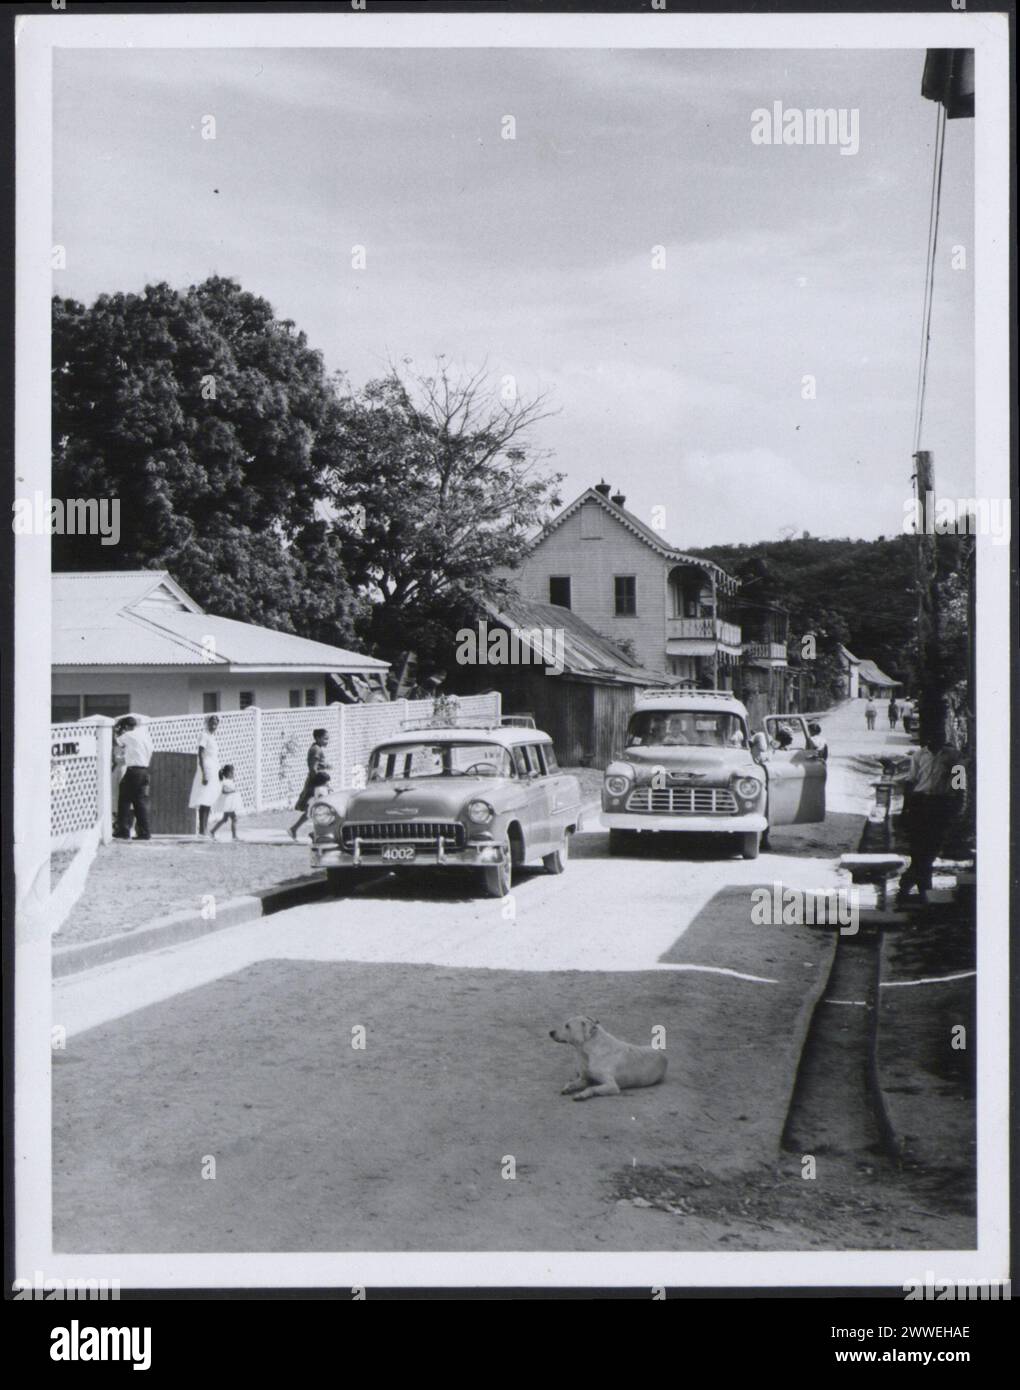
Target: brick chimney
604	488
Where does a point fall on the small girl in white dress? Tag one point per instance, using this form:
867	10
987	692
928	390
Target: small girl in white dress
228	804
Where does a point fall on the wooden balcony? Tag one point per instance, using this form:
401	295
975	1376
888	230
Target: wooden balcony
774	653
703	629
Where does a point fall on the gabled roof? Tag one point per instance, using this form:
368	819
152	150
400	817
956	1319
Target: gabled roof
845	651
586	653
724	580
143	618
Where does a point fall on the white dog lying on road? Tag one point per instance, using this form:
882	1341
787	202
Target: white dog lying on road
606	1065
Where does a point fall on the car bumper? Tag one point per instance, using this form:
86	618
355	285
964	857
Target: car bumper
696	825
481	855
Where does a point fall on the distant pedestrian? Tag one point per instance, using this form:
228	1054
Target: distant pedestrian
133	797
228	805
870	713
318	761
894	712
206	787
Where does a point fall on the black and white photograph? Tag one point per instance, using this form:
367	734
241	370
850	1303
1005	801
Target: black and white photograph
512	530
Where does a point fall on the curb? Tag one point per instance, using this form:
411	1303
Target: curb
178	927
185	926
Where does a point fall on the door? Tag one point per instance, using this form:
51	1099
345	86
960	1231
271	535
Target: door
563	801
171	775
796	772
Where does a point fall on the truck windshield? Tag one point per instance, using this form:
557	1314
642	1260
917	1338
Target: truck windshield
686	728
425	759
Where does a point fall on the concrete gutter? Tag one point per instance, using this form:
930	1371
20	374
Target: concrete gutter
186	926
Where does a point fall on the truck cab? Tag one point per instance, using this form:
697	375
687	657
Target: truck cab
692	765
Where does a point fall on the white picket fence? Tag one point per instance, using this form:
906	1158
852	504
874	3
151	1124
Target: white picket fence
268	749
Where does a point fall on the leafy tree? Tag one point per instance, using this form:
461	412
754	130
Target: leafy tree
433	488
210	420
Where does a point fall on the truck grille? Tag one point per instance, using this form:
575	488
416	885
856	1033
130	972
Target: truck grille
683	801
415	832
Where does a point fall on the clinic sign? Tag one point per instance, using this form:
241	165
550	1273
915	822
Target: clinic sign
81	746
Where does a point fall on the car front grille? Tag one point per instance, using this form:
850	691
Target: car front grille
415	832
683	801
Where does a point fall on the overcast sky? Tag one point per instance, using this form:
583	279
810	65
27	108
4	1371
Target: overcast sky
680	385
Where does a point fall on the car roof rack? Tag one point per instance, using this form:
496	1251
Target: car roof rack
437	724
658	693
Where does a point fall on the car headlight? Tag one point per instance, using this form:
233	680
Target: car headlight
480	812
323	814
748	788
617	784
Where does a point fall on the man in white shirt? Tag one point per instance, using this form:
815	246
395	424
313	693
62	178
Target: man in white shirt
133	796
931	801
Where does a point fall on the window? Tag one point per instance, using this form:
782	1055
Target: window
295	699
65	709
210	702
559	590
549	754
311	696
625	595
113	706
521	761
246	699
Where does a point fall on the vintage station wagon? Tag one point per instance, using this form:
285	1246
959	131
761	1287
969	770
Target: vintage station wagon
692	764
485	799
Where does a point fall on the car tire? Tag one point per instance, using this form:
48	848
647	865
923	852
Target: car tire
620	841
556	862
750	843
497	880
339	882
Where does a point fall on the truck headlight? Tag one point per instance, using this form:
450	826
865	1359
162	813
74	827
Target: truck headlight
616	784
748	788
480	812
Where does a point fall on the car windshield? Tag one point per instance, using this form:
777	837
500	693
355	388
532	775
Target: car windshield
406	760
686	728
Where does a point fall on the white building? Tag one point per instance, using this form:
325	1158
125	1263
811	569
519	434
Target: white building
134	640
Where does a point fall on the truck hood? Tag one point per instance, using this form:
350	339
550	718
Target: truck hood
708	765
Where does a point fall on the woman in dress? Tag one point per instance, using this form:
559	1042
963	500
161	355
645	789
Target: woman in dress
206	786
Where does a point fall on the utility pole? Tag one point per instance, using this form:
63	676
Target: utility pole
932	707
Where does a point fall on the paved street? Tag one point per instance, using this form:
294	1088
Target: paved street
246	1037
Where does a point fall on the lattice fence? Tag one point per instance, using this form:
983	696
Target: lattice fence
286	736
268	749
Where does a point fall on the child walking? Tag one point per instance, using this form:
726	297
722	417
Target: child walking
228	803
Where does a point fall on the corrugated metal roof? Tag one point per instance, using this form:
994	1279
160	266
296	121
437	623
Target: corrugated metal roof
870	673
98	621
585	651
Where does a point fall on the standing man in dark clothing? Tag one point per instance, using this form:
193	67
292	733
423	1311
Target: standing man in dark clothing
894	712
133	796
931	802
